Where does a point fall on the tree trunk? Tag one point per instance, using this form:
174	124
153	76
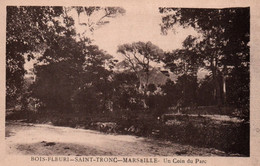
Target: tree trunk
217	90
224	90
224	84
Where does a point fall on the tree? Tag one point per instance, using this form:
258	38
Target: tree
94	17
206	95
96	78
49	33
168	97
238	89
58	73
139	57
79	68
73	77
26	28
225	38
185	63
125	94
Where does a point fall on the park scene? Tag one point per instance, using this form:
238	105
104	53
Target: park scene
127	81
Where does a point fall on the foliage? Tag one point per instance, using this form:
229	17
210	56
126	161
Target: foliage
188	87
96	16
76	78
139	56
64	60
76	82
238	89
224	45
206	95
126	95
185	63
171	93
186	60
25	33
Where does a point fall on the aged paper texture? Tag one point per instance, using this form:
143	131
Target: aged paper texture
134	82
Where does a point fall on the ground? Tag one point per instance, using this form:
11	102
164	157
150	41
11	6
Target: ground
44	139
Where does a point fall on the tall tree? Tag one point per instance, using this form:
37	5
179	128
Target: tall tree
185	63
139	57
45	31
26	28
73	75
225	38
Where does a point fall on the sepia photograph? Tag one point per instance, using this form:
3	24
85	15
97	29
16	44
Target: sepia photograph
127	81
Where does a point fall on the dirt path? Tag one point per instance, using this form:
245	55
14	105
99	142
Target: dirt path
35	139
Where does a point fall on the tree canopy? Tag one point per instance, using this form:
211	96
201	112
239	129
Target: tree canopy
73	74
27	29
64	59
225	42
139	56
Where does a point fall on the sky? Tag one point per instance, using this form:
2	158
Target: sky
138	24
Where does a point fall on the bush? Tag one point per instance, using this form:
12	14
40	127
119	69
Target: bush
202	132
